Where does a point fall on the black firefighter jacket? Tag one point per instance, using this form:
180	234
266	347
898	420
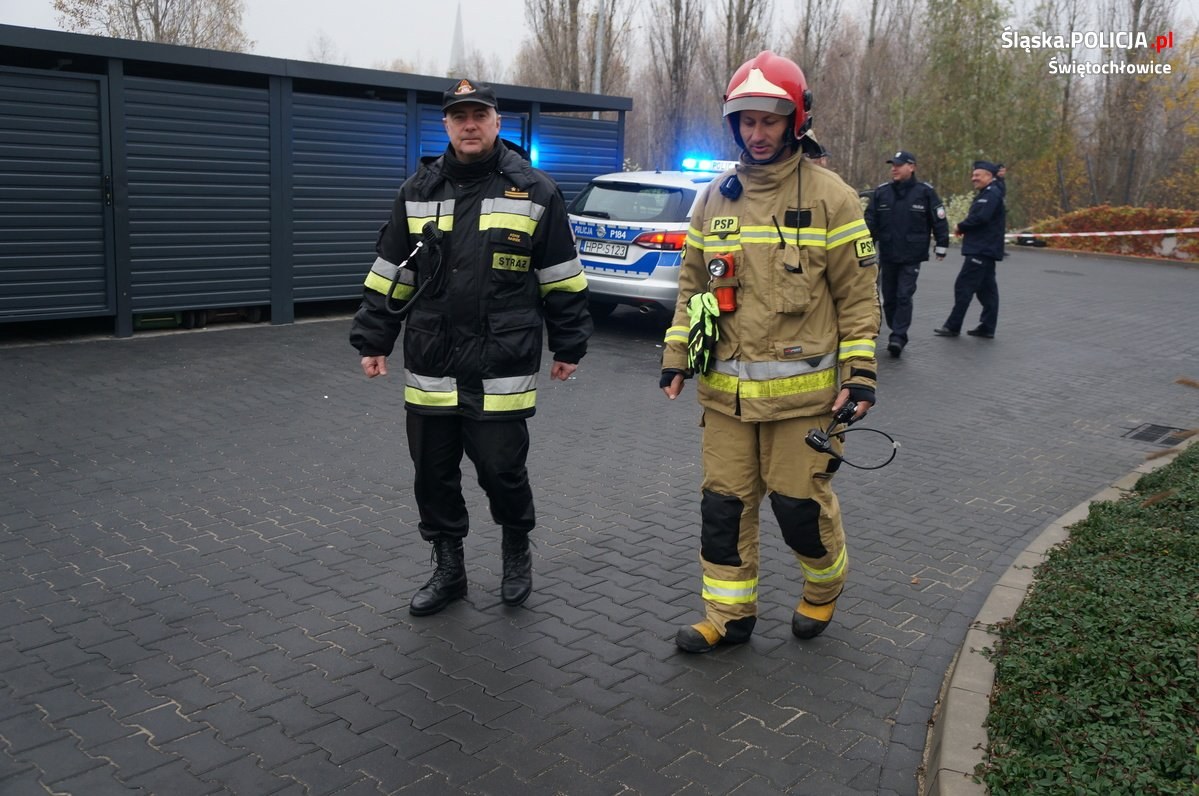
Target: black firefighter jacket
508	270
901	215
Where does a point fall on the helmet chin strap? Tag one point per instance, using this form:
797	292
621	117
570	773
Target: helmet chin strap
789	143
786	150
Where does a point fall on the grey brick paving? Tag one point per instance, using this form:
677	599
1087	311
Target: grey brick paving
207	545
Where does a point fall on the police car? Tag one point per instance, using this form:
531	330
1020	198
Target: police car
630	227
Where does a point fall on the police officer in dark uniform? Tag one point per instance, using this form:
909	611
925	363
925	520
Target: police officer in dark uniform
982	234
901	216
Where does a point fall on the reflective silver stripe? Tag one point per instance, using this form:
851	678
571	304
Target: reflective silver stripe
765	371
509	385
519	207
429	209
430	383
556	273
387	270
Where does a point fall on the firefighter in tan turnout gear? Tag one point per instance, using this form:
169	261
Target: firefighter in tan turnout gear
777	318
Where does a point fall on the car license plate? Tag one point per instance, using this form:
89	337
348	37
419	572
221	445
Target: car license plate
604	249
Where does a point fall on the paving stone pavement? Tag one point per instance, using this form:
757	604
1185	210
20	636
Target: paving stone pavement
207	547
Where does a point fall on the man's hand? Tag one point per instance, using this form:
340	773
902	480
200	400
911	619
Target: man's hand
562	370
672	386
843	396
374	366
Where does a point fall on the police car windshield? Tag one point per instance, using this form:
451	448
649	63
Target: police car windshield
629	201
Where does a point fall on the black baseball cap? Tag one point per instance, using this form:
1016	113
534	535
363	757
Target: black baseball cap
466	91
901	157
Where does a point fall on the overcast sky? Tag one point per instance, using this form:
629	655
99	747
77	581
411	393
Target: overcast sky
363	32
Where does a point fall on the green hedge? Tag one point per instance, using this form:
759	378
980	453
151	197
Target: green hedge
1096	678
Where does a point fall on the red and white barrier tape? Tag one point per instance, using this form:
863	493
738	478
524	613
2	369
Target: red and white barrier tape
1178	231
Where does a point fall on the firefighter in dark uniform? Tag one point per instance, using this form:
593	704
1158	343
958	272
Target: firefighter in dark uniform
901	216
496	268
982	232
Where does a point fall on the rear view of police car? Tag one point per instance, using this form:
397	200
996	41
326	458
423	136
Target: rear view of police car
631	227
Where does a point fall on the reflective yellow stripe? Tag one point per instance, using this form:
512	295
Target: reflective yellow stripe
730	592
380	285
509	403
847	233
676	334
793	385
775	388
851	349
416	225
695	238
421	398
720	381
574	284
830	573
507	221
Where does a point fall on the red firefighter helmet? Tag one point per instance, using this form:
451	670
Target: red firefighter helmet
772	83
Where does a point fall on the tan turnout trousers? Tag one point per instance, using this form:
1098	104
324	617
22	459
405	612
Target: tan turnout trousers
743	463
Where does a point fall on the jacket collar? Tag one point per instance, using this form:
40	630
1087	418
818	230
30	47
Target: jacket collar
771	176
506	159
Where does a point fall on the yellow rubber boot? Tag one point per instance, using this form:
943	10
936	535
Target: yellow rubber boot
704	637
809	621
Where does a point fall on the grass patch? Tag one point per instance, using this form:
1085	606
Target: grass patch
1096	677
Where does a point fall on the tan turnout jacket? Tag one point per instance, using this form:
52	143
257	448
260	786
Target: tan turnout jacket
805	276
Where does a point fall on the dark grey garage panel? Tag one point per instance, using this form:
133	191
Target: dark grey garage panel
348	163
52	211
575	150
198	159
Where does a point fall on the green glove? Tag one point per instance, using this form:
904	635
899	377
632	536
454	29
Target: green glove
702	310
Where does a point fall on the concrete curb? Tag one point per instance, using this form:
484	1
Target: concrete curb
957	736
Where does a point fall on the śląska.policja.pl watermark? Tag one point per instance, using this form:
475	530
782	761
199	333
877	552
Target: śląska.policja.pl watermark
1093	40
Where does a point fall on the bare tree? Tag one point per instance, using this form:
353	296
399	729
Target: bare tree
678	28
215	24
555	30
738	35
1125	139
322	50
605	43
567	38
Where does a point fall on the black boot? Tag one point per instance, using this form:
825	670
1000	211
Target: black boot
517	582
448	582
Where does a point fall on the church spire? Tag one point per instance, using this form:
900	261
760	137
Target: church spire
457	47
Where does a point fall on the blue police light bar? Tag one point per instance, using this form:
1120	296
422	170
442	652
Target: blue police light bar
707	164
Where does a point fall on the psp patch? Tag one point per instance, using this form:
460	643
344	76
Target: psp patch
723	225
510	262
863	248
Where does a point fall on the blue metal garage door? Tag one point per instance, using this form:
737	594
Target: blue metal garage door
198	159
575	150
53	213
348	161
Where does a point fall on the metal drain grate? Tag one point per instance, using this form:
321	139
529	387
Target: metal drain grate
1158	435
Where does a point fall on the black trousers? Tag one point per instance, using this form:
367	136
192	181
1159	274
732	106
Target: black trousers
498	448
897	283
977	278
